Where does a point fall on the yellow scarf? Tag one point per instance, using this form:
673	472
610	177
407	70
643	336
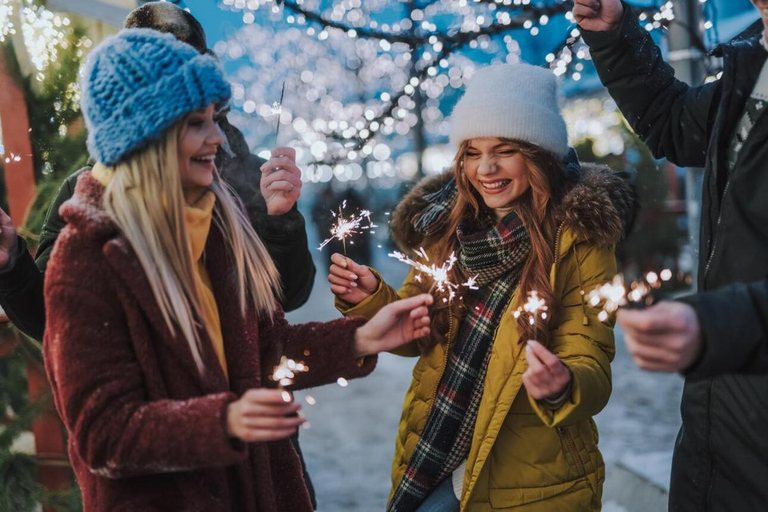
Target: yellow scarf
198	214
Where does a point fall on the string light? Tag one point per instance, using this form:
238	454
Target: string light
411	64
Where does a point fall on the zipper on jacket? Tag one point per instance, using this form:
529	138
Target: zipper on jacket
571	447
717	231
558	239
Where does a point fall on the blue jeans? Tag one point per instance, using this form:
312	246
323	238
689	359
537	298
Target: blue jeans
442	499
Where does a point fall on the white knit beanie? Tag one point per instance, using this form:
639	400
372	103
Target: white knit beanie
513	101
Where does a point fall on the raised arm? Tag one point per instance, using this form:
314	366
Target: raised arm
671	117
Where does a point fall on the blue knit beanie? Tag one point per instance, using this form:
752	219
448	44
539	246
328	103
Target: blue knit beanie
139	83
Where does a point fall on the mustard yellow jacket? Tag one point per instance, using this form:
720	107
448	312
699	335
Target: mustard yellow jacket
524	455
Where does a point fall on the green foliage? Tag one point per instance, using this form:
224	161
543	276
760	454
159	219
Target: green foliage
655	240
58	148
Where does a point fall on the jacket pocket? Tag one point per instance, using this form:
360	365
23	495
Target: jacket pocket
571	496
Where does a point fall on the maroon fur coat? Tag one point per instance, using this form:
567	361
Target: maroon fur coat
147	432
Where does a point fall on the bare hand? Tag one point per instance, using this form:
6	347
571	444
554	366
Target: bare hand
597	15
394	325
8	239
263	415
663	338
281	181
546	376
351	282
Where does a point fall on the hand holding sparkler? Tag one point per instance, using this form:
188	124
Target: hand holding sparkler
665	337
350	281
280	181
263	415
546	377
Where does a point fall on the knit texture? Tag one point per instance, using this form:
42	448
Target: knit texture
139	83
514	101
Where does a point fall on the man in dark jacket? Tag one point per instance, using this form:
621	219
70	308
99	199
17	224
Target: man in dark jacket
717	338
268	189
271	204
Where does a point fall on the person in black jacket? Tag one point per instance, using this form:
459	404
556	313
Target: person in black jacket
271	203
268	189
717	338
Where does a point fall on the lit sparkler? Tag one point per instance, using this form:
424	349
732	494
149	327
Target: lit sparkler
641	293
533	308
346	227
439	275
286	371
277	110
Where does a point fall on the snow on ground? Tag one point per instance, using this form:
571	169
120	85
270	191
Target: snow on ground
350	442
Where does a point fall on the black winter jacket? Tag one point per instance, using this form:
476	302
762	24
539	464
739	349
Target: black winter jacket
285	236
721	455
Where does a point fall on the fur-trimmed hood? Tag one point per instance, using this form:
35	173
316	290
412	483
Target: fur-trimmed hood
601	208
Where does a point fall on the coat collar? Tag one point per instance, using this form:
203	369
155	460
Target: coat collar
85	212
601	208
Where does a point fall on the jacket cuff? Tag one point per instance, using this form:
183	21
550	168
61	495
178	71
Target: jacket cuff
732	336
367	307
281	228
628	28
15	275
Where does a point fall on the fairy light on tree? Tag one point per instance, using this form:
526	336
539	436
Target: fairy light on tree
375	78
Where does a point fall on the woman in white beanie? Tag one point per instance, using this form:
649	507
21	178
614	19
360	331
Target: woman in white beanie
499	412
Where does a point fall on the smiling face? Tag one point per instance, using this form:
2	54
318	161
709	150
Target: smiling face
762	7
200	139
497	170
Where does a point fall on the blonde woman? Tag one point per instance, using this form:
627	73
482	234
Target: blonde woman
493	421
163	323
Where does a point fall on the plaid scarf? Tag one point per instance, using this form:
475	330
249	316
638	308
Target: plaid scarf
496	254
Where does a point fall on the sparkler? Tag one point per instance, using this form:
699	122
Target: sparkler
277	110
534	308
439	275
286	371
641	293
346	227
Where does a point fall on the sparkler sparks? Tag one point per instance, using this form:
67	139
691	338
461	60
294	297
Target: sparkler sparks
286	371
440	275
533	308
616	294
346	227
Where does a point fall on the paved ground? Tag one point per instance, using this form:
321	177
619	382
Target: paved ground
349	444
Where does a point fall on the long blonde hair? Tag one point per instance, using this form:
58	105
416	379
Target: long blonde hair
145	200
537	209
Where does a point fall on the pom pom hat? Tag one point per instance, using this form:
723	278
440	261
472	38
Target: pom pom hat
139	83
512	101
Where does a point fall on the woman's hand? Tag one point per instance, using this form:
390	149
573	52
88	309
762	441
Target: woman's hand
263	415
280	181
597	15
351	282
546	376
394	325
8	239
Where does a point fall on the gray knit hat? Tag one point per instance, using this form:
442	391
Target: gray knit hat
514	101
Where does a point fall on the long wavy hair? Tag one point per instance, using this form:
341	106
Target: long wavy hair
145	200
537	209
